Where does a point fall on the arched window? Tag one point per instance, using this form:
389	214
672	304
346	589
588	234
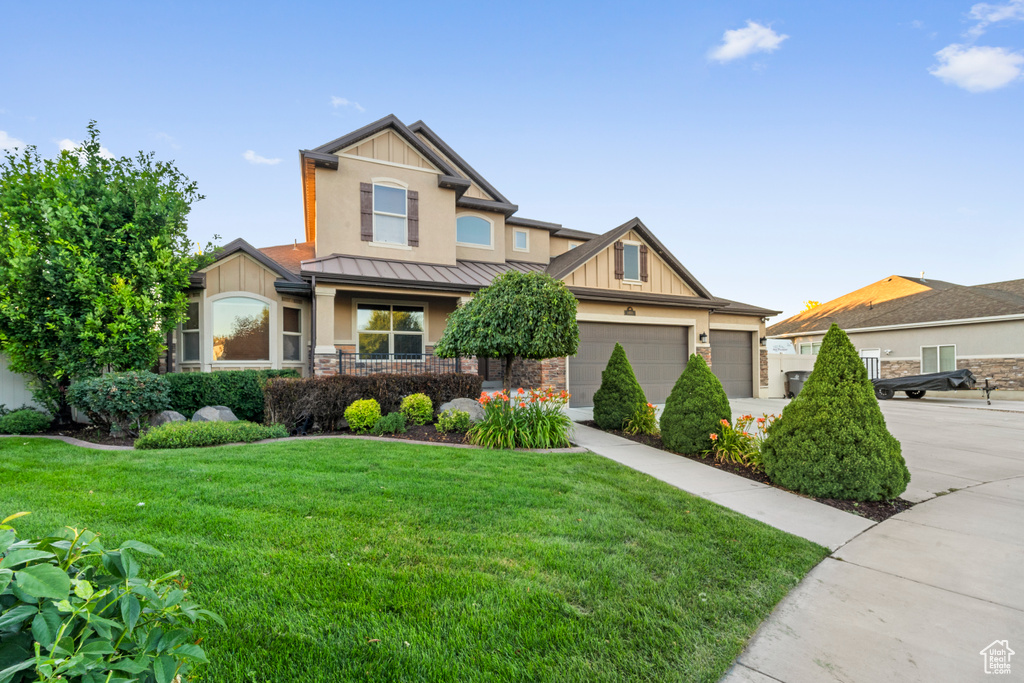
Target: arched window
241	329
473	231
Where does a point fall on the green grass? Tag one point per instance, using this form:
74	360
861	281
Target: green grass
465	565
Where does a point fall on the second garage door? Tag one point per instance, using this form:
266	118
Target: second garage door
657	353
732	362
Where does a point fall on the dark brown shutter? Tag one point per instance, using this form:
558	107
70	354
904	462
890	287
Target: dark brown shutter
643	262
366	212
414	218
619	271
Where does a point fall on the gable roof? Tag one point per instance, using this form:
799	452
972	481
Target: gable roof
390	121
240	245
467	170
566	263
900	300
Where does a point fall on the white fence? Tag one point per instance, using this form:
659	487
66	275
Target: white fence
14	391
781	363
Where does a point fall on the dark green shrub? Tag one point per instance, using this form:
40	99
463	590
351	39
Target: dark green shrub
620	396
124	400
392	423
831	441
68	594
320	402
240	390
694	409
453	421
24	421
195	434
362	415
418	408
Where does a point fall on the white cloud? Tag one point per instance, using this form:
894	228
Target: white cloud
987	14
70	146
977	69
164	137
7	142
254	158
342	102
741	42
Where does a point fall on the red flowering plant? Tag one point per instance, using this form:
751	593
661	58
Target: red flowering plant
738	444
525	419
644	420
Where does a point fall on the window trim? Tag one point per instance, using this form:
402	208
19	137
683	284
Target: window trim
391	302
938	356
629	243
198	332
515	233
394	185
471	245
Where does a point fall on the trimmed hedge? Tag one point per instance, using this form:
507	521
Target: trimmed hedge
24	421
194	434
620	396
832	441
240	390
694	409
320	402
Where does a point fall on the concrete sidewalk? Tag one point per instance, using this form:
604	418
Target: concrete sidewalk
787	511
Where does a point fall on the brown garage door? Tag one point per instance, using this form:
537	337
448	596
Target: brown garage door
732	362
657	353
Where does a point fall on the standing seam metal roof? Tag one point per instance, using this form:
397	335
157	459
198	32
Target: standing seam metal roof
464	274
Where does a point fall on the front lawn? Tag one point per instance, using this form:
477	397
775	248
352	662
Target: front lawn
338	560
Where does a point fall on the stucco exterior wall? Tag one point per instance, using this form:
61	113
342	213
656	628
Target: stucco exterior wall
497	252
599	272
538	244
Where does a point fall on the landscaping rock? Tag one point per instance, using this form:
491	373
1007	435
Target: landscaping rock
165	416
470	405
214	414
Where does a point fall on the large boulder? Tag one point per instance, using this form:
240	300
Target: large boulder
469	405
165	416
214	414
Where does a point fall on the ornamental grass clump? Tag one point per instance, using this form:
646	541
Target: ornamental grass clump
524	419
831	441
694	409
620	396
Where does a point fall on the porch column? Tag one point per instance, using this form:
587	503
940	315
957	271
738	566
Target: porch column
325	357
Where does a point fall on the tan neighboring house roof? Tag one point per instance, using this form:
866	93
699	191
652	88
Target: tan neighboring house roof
900	300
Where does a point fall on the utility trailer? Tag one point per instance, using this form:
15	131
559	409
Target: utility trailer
915	386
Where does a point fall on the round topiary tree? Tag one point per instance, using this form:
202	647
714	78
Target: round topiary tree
620	394
694	409
831	441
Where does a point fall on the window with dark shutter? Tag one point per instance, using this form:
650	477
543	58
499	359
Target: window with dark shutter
414	218
643	262
366	212
618	261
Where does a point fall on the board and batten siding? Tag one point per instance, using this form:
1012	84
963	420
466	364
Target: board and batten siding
14	391
599	273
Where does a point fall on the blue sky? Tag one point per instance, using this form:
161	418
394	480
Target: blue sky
811	150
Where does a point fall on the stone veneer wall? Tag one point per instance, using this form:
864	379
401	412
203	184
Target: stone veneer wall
1006	373
764	367
705	353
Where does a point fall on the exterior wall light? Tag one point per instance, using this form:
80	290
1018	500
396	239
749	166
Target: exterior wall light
703	337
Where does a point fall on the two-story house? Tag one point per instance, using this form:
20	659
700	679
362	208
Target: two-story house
399	229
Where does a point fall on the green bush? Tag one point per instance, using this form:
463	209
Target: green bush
418	409
694	409
320	402
122	400
620	396
24	421
392	423
643	421
195	434
453	421
362	415
831	441
240	390
73	610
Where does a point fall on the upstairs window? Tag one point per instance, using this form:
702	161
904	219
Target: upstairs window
473	231
390	211
631	262
520	240
938	358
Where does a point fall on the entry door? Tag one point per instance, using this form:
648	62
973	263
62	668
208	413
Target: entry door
872	359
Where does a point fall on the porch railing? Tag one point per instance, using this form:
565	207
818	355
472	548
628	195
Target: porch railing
415	363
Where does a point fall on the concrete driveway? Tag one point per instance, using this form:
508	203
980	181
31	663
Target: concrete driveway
919	596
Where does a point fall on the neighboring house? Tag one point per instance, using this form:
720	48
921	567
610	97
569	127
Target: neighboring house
910	326
399	230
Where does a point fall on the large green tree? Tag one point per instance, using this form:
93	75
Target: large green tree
529	315
94	263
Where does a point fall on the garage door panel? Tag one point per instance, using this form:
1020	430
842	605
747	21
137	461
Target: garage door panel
657	353
732	362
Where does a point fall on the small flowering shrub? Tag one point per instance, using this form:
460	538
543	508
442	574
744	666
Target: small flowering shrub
362	415
526	419
417	409
735	442
644	420
453	421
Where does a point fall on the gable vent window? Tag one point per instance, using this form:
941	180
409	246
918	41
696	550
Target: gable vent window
473	231
389	215
631	261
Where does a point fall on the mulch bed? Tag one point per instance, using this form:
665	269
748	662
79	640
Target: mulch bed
91	434
412	433
877	511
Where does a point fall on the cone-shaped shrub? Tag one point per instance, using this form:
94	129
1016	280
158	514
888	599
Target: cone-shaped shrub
831	441
620	395
694	409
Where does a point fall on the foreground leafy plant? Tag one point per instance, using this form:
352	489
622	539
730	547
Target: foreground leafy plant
392	423
644	420
532	419
121	400
194	434
418	409
71	609
453	420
